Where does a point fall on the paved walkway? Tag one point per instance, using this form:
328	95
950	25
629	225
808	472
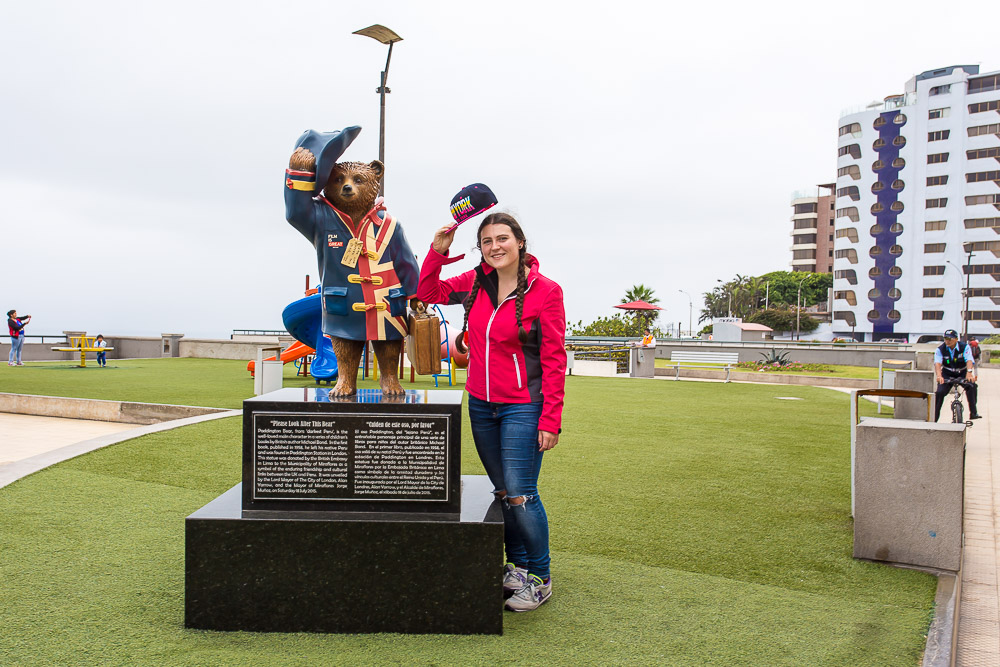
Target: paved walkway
23	436
979	613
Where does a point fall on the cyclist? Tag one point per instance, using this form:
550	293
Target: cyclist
953	360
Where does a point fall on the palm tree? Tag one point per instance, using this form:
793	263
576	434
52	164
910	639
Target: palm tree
642	293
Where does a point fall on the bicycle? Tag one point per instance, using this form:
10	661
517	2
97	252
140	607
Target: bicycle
957	384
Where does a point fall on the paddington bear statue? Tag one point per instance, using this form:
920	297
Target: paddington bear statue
367	270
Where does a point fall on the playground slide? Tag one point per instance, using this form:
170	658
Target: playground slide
294	352
303	319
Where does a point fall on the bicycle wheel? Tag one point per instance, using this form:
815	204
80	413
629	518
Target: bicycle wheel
956	412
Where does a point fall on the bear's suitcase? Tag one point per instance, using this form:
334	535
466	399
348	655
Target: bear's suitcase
423	345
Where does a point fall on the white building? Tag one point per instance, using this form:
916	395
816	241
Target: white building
918	185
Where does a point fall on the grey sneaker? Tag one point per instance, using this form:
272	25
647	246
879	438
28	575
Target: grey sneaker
531	596
514	579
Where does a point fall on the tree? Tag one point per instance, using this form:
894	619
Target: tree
642	293
748	295
618	325
783	319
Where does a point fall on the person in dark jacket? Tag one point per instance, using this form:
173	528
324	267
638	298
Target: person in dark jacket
516	326
953	361
16	326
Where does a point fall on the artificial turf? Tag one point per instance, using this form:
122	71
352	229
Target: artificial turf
692	523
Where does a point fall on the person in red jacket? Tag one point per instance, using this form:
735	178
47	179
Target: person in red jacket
516	326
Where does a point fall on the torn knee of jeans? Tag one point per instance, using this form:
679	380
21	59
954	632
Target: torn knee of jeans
519	501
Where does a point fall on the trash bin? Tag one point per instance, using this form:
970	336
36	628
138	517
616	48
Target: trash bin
268	375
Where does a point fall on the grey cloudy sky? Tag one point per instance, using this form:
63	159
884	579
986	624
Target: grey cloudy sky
142	146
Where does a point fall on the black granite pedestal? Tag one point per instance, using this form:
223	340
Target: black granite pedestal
344	575
352	518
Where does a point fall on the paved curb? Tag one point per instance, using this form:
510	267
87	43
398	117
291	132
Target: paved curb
128	412
943	634
11	472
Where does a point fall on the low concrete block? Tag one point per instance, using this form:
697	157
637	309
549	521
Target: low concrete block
595	368
909	485
913	408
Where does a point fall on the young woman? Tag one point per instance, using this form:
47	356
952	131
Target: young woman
516	327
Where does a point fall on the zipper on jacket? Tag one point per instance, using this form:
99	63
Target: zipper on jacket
517	371
490	324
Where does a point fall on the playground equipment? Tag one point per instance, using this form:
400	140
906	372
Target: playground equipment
292	353
83	345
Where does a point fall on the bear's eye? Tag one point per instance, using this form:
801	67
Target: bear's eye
340	179
359	179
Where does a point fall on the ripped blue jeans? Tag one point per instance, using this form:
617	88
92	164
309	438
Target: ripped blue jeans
506	436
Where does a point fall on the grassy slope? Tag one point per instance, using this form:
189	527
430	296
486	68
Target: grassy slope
692	523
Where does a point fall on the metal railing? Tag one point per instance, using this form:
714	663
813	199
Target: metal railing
44	339
618	355
259	332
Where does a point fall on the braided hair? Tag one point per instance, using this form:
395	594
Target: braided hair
522	276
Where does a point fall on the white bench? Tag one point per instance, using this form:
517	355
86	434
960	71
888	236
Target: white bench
722	360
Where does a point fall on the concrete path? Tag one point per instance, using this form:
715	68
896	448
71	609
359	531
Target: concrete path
24	436
979	613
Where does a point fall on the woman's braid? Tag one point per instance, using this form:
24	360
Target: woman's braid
469	300
522	286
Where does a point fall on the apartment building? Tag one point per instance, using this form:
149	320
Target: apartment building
917	206
812	229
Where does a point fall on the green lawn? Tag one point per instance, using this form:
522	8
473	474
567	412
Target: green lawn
829	370
692	524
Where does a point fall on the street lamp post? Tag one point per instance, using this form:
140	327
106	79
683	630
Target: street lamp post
798	307
690	310
729	291
386	36
968	278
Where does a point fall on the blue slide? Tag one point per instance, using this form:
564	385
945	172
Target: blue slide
303	319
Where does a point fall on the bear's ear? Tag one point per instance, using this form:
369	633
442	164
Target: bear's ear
377	167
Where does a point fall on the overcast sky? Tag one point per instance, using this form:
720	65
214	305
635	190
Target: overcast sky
143	146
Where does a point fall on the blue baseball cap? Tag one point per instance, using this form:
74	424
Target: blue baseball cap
951	333
327	147
471	201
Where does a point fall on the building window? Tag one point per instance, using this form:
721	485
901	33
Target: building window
933	292
984	291
874	251
899	141
878	186
850	212
991	315
879	122
980	176
850	170
980	107
876	229
896	228
976	223
939	135
806	208
898	185
849	233
935	225
896	250
976	246
895	294
933	247
829	253
982	199
805	223
850	254
854	150
980	153
848	296
980	130
850	129
899	119
895	271
851	191
939	90
873	315
894	316
984	84
804	254
878	144
982	269
899	163
801	239
933	314
874	293
846	316
846	274
937	158
938	113
934	270
877	207
940	202
896	206
937	180
874	272
878	165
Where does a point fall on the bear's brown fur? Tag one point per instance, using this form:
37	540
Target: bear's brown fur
353	188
